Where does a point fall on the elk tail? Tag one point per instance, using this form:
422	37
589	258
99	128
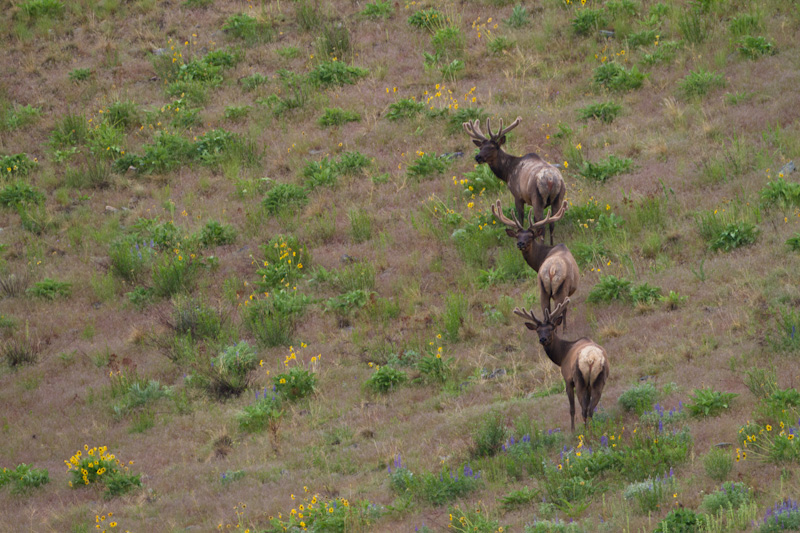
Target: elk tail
590	364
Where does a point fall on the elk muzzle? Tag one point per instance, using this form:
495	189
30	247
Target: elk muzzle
479	158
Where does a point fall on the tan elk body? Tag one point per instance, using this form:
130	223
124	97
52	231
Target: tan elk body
556	268
531	179
583	362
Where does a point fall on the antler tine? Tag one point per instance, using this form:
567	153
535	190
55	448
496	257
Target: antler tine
527	315
551	217
474	130
513	125
497	211
560	308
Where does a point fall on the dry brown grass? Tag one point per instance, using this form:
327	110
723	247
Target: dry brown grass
54	407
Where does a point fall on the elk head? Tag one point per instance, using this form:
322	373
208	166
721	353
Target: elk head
546	328
489	146
526	237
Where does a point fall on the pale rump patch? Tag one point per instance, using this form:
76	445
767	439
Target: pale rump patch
590	363
552	274
549	184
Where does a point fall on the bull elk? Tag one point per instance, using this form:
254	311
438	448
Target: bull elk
583	362
557	271
531	179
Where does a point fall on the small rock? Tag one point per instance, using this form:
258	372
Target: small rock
315	152
159	51
723	444
452	155
645	378
496	373
111	209
154	78
348	259
608	34
788	168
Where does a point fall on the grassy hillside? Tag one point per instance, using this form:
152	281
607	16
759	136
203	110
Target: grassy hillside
247	263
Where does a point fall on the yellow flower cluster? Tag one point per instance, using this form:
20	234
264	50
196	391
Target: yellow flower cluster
485	27
442	97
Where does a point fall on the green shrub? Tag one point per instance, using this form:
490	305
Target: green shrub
333	40
779	193
744	24
284	262
360	224
730	496
284	196
250	30
650	493
237	113
553	526
385	378
98	466
24	478
344	304
321	173
762	382
465	114
610	288
264	413
642	38
735	235
378	9
472	520
755	47
639	398
645	294
783	516
35	9
272	320
20	194
404	108
295	384
16	165
50	289
681	521
193	317
18	117
123	114
130	262
448	42
519	17
708	402
351	163
615	77
253	81
217	234
229	372
80	74
334	74
69	131
718	464
428	19
426	166
692	26
136	394
455	312
446	486
174	274
489	436
604	111
602	171
700	82
588	20
337	116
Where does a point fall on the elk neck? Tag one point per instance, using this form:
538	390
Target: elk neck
504	165
558	349
536	255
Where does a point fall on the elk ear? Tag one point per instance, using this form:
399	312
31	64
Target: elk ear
501	141
531	326
511	233
559	319
477	142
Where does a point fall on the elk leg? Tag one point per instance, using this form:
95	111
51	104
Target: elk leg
597	388
552	226
520	205
585	406
571	396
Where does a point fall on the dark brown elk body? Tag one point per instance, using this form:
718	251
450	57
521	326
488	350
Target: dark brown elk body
583	362
556	268
530	179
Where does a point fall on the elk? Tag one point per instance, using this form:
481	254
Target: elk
583	362
557	271
530	179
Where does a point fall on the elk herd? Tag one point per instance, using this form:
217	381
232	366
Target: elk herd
533	181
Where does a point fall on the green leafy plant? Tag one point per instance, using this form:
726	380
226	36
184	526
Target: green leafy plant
250	30
237	113
718	464
700	82
639	398
272	320
755	47
731	495
650	493
426	166
18	194
385	378
50	289
602	171
610	288
404	108
378	9
779	193
709	402
16	165
18	117
99	466
283	263
472	521
36	9
295	384
265	413
282	197
335	73
24	478
428	19
603	111
216	234
337	116
229	372
735	235
615	77
490	435
645	294
253	81
588	20
519	17
681	521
